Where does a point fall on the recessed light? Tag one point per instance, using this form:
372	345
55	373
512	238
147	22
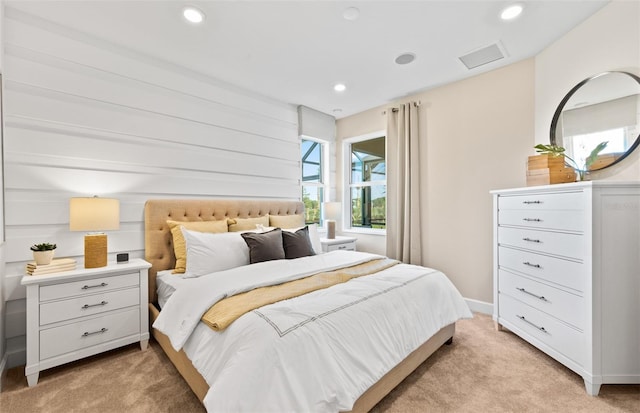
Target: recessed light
351	13
339	87
193	15
405	58
511	12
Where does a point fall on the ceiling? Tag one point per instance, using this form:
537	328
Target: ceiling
295	51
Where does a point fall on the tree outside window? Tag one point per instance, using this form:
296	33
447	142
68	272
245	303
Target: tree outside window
312	180
368	183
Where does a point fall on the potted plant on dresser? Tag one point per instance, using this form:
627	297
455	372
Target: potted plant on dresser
43	253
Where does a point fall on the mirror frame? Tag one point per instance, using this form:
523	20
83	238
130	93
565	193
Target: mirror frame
563	102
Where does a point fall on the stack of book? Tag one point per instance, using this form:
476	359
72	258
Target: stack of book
56	265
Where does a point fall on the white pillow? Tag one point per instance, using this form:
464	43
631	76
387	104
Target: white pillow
211	252
315	238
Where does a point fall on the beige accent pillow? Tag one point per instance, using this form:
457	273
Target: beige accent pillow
247	224
286	221
179	244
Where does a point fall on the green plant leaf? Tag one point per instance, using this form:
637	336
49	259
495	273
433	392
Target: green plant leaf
549	149
594	154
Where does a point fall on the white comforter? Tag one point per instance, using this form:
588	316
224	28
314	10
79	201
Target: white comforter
318	352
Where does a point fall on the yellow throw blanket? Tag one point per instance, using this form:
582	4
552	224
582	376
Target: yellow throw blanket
226	311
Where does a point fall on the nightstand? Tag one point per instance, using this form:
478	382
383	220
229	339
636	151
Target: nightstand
79	313
339	243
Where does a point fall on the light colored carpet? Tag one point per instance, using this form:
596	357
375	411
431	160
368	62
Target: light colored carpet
482	371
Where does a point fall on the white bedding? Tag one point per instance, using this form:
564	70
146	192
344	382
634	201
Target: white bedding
318	352
166	284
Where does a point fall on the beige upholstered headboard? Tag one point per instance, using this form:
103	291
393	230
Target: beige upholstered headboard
157	236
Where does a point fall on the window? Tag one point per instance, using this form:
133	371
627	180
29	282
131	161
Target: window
580	146
313	182
367	186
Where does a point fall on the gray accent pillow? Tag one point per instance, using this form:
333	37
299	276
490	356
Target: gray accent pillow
297	244
264	246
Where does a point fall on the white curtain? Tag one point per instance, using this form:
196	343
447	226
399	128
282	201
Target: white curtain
403	184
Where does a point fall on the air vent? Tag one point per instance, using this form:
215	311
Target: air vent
482	56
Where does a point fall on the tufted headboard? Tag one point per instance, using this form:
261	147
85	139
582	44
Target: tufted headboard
157	236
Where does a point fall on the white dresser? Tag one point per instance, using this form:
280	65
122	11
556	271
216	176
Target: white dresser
75	314
567	275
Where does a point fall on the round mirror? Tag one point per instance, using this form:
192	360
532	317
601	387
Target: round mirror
602	108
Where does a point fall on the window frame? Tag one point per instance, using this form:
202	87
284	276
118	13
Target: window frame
347	185
324	174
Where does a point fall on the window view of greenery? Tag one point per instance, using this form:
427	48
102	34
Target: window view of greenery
312	185
368	184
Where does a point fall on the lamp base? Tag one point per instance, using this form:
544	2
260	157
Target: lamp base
95	250
331	229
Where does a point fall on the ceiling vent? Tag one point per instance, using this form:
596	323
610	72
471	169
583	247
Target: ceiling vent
482	56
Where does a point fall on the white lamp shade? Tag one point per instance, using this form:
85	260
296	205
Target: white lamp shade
332	210
94	214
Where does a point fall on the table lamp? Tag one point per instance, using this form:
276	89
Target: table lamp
94	214
331	213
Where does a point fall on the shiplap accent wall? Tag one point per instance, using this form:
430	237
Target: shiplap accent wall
84	117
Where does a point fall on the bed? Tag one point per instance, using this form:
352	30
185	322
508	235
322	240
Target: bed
159	252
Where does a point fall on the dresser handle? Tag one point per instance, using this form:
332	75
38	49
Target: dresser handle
86	287
103	330
531	240
532	265
531	202
84	307
530	323
539	297
532	219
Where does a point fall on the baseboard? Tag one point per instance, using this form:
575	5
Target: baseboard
3	368
479	306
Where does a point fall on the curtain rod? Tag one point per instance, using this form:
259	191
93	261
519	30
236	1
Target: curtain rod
416	104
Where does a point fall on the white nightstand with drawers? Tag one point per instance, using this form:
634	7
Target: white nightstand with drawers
566	275
338	243
79	313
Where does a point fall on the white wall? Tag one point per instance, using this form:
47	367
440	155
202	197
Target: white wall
608	40
84	117
3	356
475	137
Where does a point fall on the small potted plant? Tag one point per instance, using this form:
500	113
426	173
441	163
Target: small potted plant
555	150
43	253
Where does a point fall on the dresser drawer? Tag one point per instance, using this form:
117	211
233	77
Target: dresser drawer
75	307
347	246
562	272
556	243
560	337
90	286
562	305
551	201
558	220
76	336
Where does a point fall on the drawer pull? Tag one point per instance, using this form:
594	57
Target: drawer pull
539	297
532	219
342	247
527	263
102	330
84	307
531	202
86	287
531	240
531	324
